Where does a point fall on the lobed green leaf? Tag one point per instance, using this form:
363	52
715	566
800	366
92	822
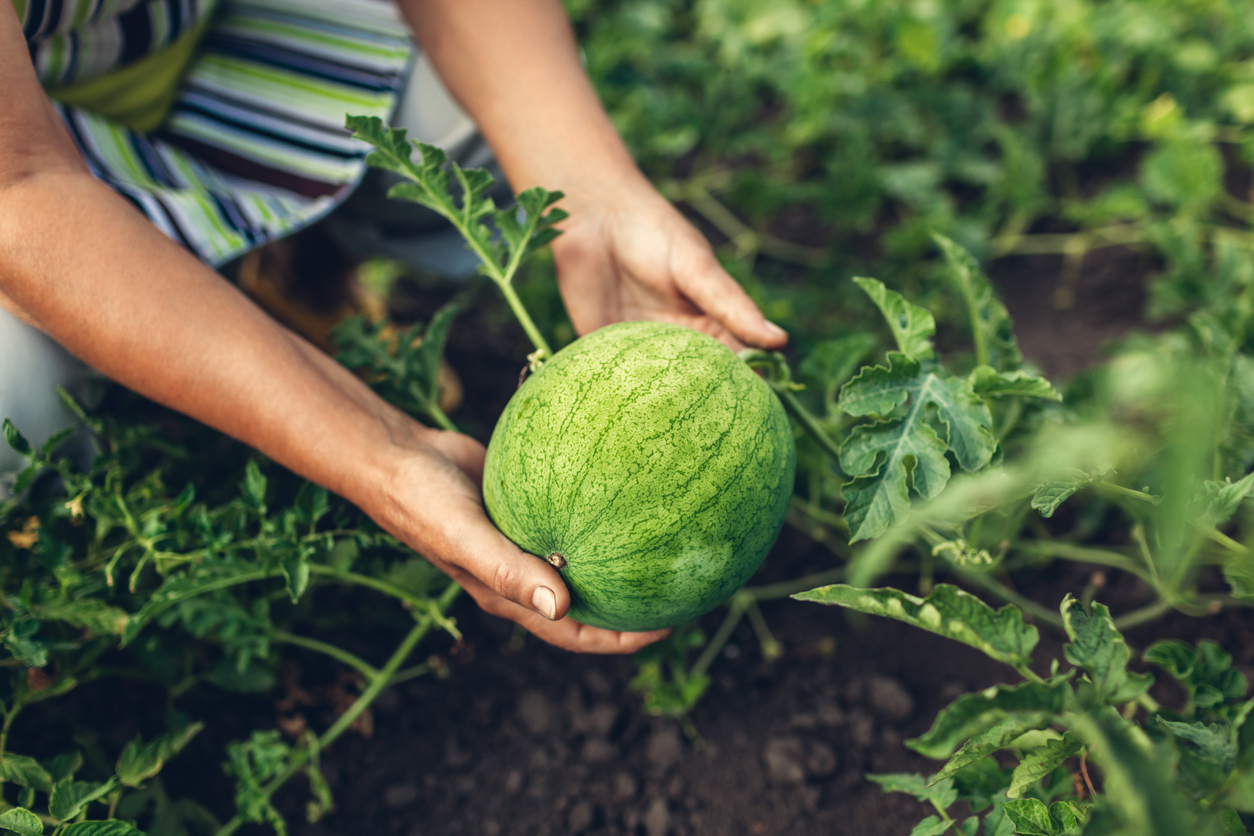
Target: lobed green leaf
1031	817
112	827
21	821
991	325
908	448
24	771
947	611
912	326
1041	761
939	793
997	737
1099	649
15	439
971	714
68	796
1054	492
989	383
140	761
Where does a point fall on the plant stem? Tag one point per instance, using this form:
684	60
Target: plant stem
734	612
785	588
1083	554
771	648
409	599
1219	537
338	653
524	318
1128	492
440	418
808	422
380	680
1144	614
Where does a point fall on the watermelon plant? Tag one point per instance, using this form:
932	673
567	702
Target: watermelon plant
1161	771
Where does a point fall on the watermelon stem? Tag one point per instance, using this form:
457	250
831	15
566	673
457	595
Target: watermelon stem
557	560
779	377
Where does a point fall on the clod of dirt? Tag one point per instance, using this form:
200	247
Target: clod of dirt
783	756
598	720
657	821
888	698
596	750
625	786
534	711
821	761
861	729
581	817
400	795
513	781
664	748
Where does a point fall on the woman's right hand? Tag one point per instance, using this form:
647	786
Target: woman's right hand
434	504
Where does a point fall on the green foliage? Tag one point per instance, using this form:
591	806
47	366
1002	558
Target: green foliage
1181	784
404	368
1104	122
946	611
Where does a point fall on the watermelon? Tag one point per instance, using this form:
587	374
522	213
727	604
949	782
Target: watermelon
650	465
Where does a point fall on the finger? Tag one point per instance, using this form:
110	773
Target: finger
567	634
469	547
709	287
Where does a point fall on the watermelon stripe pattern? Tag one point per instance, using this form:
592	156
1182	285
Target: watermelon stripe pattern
654	461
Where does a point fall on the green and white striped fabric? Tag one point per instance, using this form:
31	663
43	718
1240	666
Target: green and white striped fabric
254	146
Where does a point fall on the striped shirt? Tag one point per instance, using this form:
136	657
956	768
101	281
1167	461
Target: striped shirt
254	146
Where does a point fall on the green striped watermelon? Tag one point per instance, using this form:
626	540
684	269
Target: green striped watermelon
650	465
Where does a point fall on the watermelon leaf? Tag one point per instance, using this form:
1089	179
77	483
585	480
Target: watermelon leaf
1054	492
947	611
971	714
1100	650
991	326
940	794
1031	818
989	741
1041	761
989	383
68	796
926	415
21	821
140	761
912	326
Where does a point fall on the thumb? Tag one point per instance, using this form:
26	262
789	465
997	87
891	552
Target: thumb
473	546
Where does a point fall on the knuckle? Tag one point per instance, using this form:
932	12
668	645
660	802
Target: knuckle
505	579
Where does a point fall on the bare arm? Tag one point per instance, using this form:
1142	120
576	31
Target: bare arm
627	253
80	263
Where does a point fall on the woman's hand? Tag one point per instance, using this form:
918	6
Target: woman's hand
626	253
435	506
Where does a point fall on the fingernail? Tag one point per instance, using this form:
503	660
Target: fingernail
775	330
545	602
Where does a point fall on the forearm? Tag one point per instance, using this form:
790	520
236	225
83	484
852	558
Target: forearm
80	263
514	65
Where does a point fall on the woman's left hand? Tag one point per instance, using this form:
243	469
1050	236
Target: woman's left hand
626	253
